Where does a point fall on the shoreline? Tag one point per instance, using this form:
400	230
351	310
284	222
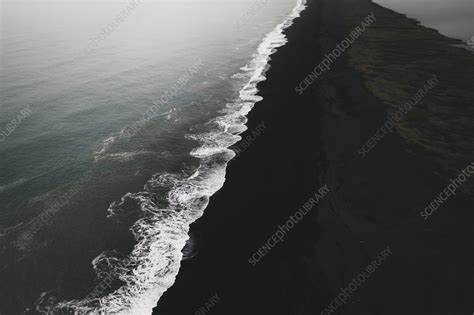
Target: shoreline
429	128
222	265
448	29
308	141
64	298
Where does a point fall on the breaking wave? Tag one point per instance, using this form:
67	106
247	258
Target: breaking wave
169	203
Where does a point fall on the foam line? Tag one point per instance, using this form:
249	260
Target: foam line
162	231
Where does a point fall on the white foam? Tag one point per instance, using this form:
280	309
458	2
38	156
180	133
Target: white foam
123	156
162	232
106	145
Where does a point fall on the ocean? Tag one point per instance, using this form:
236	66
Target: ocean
116	120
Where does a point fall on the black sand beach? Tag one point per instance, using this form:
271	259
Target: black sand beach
374	202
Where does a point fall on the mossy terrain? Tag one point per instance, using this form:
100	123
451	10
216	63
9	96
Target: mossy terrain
397	56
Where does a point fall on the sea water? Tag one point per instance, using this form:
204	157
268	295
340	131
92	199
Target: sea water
132	109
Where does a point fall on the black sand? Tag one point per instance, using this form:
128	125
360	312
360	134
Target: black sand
311	140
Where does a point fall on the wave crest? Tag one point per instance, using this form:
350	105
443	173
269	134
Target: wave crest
162	223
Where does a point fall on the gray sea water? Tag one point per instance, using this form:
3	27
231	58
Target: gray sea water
115	123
